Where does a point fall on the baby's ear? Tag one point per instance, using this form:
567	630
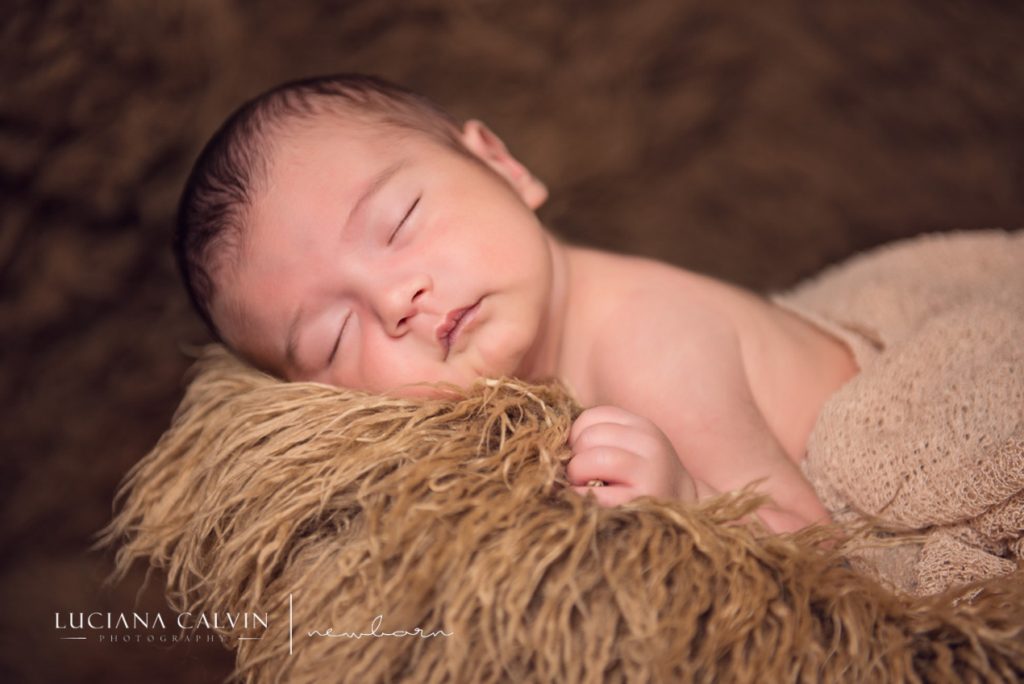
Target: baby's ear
485	144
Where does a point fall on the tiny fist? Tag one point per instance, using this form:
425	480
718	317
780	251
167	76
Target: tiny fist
612	446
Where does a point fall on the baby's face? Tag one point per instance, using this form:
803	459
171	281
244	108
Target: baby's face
374	259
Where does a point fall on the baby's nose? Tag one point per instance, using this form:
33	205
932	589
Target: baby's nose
402	302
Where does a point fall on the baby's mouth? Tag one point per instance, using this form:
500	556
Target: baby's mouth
448	329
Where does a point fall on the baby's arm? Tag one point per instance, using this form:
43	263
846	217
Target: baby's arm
688	377
632	457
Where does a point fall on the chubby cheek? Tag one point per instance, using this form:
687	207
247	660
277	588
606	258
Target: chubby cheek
386	366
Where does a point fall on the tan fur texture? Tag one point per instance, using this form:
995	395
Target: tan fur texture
455	515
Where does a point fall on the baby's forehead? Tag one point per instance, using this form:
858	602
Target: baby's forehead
338	156
288	150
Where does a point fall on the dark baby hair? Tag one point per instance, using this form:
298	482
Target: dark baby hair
226	176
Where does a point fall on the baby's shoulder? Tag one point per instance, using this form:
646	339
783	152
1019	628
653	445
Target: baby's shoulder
618	284
663	324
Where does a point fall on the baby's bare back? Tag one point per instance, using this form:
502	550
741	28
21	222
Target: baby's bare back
735	382
791	366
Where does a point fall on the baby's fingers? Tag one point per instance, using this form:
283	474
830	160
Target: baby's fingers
610	495
610	464
602	414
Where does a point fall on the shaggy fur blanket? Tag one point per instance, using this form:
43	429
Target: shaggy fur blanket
929	437
327	508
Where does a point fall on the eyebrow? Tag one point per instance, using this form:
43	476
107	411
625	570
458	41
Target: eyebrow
372	188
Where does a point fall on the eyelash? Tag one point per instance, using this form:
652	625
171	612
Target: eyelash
337	341
402	222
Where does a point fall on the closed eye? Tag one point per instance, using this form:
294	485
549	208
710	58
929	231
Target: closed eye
401	223
337	342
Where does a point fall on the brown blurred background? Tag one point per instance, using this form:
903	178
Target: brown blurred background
752	141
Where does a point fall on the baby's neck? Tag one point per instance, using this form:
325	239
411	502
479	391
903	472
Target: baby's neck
543	360
581	278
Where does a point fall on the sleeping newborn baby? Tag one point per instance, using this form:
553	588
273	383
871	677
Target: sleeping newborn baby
343	230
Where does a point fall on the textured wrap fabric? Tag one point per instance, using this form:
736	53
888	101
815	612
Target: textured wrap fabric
929	436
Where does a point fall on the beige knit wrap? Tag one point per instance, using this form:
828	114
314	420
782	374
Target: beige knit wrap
455	515
930	435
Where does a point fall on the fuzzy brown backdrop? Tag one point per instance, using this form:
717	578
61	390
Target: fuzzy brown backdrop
754	143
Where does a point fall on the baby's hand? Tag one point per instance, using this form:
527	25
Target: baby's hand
627	452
